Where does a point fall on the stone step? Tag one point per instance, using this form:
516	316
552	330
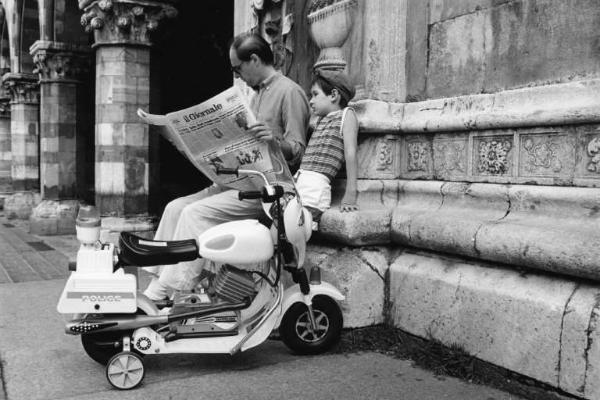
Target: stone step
541	326
543	227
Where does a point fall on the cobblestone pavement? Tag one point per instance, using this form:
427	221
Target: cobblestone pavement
25	257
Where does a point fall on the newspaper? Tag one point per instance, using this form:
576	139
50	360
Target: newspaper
214	134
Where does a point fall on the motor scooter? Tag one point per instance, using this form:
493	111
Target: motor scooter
231	310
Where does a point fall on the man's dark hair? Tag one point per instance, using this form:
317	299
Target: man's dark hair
247	44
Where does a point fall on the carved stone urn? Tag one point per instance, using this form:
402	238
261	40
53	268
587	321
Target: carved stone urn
330	26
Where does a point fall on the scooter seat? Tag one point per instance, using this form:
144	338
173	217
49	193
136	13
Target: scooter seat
137	251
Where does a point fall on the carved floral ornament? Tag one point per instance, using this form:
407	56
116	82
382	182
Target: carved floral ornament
124	20
543	155
493	156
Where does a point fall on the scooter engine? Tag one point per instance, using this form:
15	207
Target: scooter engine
233	285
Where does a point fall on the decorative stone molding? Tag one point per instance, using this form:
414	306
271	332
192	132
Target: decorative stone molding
548	105
23	88
60	61
124	21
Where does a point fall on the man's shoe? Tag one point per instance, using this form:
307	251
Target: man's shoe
163	303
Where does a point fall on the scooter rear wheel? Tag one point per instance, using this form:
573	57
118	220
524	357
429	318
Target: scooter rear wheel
125	370
101	347
296	332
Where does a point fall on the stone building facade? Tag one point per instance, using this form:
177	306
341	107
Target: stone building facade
479	151
478	167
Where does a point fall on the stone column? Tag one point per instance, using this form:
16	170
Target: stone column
122	32
64	120
5	147
24	127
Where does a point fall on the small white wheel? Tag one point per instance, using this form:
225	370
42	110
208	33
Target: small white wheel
125	370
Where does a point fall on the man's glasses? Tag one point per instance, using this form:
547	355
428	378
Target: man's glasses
236	68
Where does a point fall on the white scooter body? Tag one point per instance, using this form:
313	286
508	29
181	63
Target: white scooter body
106	304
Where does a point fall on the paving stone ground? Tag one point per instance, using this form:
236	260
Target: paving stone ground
25	257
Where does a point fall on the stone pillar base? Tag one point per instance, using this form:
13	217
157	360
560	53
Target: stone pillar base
3	196
20	204
54	217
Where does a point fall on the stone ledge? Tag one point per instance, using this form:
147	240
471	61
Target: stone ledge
556	104
540	326
548	228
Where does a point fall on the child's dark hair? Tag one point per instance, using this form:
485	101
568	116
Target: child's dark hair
327	88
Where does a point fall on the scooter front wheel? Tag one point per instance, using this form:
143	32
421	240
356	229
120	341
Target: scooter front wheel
125	370
296	330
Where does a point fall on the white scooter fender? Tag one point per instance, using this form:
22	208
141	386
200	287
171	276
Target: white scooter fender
293	295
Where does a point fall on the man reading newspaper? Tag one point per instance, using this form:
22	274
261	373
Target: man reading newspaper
282	113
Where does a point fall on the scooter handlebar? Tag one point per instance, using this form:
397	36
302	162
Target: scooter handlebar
262	194
250	194
226	171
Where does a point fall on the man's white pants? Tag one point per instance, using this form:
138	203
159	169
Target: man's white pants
188	217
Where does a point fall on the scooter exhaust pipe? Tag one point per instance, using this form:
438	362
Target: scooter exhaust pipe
79	326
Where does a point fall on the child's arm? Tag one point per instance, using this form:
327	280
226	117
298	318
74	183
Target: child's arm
350	133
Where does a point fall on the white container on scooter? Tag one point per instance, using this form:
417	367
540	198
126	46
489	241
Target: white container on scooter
95	287
237	242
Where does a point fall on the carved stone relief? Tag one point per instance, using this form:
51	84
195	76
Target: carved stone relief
385	156
494	155
60	61
124	22
542	155
418	156
450	158
272	22
23	88
593	151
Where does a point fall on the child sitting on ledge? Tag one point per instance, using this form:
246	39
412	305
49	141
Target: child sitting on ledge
333	141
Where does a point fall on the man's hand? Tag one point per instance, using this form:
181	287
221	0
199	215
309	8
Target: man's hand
261	131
